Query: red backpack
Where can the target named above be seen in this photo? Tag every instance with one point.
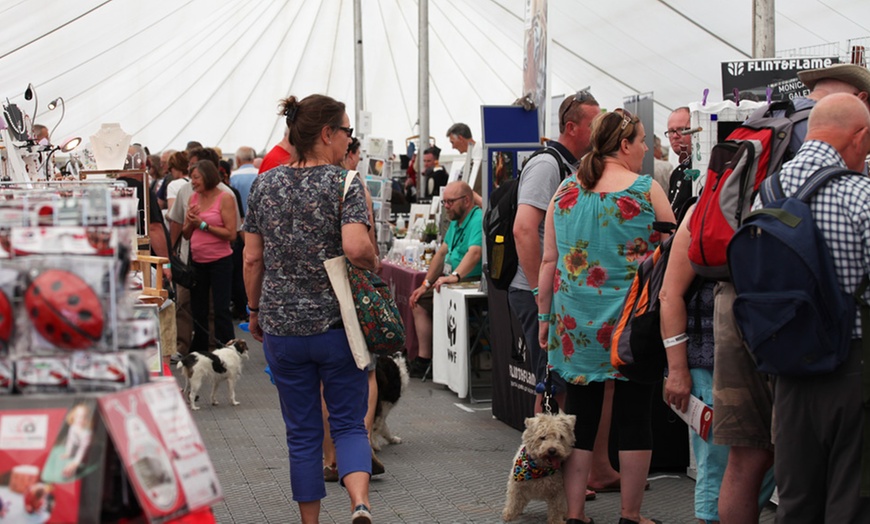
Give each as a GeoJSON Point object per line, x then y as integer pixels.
{"type": "Point", "coordinates": [736, 170]}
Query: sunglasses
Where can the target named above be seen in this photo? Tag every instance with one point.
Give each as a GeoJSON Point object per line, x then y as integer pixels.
{"type": "Point", "coordinates": [348, 130]}
{"type": "Point", "coordinates": [627, 118]}
{"type": "Point", "coordinates": [579, 97]}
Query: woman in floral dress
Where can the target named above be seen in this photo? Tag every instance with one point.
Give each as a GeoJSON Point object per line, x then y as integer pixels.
{"type": "Point", "coordinates": [599, 227]}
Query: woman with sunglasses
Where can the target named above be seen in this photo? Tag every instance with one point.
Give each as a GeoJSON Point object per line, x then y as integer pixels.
{"type": "Point", "coordinates": [598, 228]}
{"type": "Point", "coordinates": [296, 220]}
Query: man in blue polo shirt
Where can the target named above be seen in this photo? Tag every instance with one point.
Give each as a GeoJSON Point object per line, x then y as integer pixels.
{"type": "Point", "coordinates": [457, 259]}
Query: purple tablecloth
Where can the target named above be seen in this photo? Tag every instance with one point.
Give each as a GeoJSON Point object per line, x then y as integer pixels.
{"type": "Point", "coordinates": [403, 281]}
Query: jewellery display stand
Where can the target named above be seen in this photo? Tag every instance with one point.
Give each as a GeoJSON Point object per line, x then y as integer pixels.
{"type": "Point", "coordinates": [110, 145]}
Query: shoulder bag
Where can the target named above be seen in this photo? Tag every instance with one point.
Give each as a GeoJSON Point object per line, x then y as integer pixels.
{"type": "Point", "coordinates": [183, 274]}
{"type": "Point", "coordinates": [374, 314]}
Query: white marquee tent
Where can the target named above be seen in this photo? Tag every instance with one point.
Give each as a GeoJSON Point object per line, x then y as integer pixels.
{"type": "Point", "coordinates": [170, 71]}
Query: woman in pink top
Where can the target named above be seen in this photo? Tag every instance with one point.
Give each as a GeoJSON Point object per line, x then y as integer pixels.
{"type": "Point", "coordinates": [210, 224]}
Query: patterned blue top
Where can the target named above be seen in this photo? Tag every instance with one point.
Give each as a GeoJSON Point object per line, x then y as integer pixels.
{"type": "Point", "coordinates": [601, 240]}
{"type": "Point", "coordinates": [297, 213]}
{"type": "Point", "coordinates": [699, 327]}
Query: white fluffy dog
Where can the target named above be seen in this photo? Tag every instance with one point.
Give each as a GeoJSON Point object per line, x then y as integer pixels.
{"type": "Point", "coordinates": [536, 470]}
{"type": "Point", "coordinates": [224, 364]}
{"type": "Point", "coordinates": [391, 373]}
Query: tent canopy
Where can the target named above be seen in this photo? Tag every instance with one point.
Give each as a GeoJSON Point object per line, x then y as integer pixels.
{"type": "Point", "coordinates": [170, 71]}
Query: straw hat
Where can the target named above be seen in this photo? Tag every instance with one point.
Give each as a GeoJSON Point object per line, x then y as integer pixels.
{"type": "Point", "coordinates": [854, 75]}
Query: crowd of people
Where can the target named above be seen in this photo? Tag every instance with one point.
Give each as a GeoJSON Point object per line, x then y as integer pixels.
{"type": "Point", "coordinates": [258, 235]}
{"type": "Point", "coordinates": [580, 239]}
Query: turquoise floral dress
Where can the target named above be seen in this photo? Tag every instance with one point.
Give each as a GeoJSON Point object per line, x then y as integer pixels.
{"type": "Point", "coordinates": [601, 239]}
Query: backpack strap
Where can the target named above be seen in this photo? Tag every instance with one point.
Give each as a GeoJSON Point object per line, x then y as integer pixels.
{"type": "Point", "coordinates": [771, 189]}
{"type": "Point", "coordinates": [564, 169]}
{"type": "Point", "coordinates": [820, 178]}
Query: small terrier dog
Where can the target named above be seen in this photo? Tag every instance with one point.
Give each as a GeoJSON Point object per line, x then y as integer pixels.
{"type": "Point", "coordinates": [224, 364]}
{"type": "Point", "coordinates": [536, 469]}
{"type": "Point", "coordinates": [391, 373]}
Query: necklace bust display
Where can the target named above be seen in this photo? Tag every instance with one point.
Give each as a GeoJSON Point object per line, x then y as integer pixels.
{"type": "Point", "coordinates": [110, 145]}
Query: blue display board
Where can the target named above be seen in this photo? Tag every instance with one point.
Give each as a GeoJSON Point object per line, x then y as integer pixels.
{"type": "Point", "coordinates": [509, 125]}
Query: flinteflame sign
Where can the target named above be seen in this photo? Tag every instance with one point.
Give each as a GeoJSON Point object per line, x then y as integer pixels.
{"type": "Point", "coordinates": [752, 78]}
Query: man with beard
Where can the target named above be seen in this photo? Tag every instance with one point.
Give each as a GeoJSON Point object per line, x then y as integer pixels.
{"type": "Point", "coordinates": [457, 259]}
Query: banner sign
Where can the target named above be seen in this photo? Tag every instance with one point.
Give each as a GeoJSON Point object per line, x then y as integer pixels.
{"type": "Point", "coordinates": [752, 78]}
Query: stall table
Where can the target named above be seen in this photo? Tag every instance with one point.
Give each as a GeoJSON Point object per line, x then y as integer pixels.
{"type": "Point", "coordinates": [403, 281]}
{"type": "Point", "coordinates": [460, 330]}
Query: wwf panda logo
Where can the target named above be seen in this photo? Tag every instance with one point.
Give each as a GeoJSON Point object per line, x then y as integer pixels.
{"type": "Point", "coordinates": [451, 323]}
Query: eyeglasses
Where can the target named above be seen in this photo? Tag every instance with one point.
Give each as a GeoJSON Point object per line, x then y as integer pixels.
{"type": "Point", "coordinates": [348, 130]}
{"type": "Point", "coordinates": [580, 96]}
{"type": "Point", "coordinates": [675, 133]}
{"type": "Point", "coordinates": [447, 202]}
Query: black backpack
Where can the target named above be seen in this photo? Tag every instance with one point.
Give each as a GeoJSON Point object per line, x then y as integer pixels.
{"type": "Point", "coordinates": [498, 225]}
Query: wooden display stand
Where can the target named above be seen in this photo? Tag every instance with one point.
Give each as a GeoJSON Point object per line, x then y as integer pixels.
{"type": "Point", "coordinates": [104, 458]}
{"type": "Point", "coordinates": [156, 292]}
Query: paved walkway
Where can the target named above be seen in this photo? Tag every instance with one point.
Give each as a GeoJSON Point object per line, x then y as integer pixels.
{"type": "Point", "coordinates": [451, 467]}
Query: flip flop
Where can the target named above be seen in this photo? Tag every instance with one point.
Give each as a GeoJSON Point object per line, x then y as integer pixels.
{"type": "Point", "coordinates": [614, 487]}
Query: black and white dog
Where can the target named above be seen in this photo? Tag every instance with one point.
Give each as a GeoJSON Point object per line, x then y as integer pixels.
{"type": "Point", "coordinates": [391, 373]}
{"type": "Point", "coordinates": [224, 364]}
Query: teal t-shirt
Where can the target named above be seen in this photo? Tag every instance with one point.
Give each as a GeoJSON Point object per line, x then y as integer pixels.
{"type": "Point", "coordinates": [460, 238]}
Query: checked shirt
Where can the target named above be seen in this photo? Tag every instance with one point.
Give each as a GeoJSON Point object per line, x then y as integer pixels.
{"type": "Point", "coordinates": [841, 211]}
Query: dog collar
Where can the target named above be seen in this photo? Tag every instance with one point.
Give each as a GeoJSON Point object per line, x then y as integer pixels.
{"type": "Point", "coordinates": [526, 469]}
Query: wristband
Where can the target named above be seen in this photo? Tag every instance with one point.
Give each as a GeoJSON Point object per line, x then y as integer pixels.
{"type": "Point", "coordinates": [457, 275]}
{"type": "Point", "coordinates": [545, 317]}
{"type": "Point", "coordinates": [427, 283]}
{"type": "Point", "coordinates": [673, 341]}
{"type": "Point", "coordinates": [203, 225]}
{"type": "Point", "coordinates": [535, 292]}
{"type": "Point", "coordinates": [167, 265]}
{"type": "Point", "coordinates": [253, 309]}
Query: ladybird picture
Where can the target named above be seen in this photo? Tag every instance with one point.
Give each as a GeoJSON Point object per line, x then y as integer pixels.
{"type": "Point", "coordinates": [64, 309]}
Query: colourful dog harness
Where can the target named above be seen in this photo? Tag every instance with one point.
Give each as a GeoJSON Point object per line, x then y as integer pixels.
{"type": "Point", "coordinates": [526, 469]}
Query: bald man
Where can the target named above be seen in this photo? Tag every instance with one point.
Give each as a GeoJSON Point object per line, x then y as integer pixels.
{"type": "Point", "coordinates": [742, 398]}
{"type": "Point", "coordinates": [819, 420]}
{"type": "Point", "coordinates": [458, 258]}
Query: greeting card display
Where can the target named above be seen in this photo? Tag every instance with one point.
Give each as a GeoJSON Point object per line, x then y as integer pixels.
{"type": "Point", "coordinates": [51, 456]}
{"type": "Point", "coordinates": [161, 449]}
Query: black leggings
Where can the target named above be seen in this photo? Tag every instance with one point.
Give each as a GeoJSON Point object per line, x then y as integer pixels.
{"type": "Point", "coordinates": [632, 413]}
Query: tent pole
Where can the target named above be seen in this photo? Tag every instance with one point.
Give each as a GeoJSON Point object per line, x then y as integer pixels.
{"type": "Point", "coordinates": [423, 87]}
{"type": "Point", "coordinates": [358, 77]}
{"type": "Point", "coordinates": [763, 29]}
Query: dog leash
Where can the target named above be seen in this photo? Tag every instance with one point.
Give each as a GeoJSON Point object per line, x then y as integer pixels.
{"type": "Point", "coordinates": [211, 337]}
{"type": "Point", "coordinates": [549, 403]}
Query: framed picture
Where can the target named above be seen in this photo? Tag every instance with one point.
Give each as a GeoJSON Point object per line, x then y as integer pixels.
{"type": "Point", "coordinates": [419, 215]}
{"type": "Point", "coordinates": [377, 187]}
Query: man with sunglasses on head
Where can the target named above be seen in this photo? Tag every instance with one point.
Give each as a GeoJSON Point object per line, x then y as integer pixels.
{"type": "Point", "coordinates": [457, 259]}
